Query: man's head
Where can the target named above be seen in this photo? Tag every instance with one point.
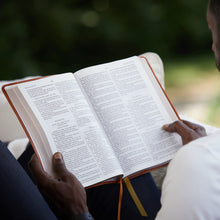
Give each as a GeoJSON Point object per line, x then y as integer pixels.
{"type": "Point", "coordinates": [213, 19]}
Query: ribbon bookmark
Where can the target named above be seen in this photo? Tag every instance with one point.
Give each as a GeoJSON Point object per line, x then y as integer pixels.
{"type": "Point", "coordinates": [120, 199]}
{"type": "Point", "coordinates": [135, 197]}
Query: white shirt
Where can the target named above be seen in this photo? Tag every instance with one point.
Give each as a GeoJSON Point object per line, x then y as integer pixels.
{"type": "Point", "coordinates": [191, 188]}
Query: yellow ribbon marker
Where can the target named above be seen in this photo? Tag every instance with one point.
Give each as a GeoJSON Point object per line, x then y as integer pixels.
{"type": "Point", "coordinates": [135, 197]}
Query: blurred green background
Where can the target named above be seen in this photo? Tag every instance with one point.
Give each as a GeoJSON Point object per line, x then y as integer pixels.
{"type": "Point", "coordinates": [42, 37]}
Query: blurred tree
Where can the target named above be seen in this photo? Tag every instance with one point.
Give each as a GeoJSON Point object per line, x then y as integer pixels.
{"type": "Point", "coordinates": [41, 37]}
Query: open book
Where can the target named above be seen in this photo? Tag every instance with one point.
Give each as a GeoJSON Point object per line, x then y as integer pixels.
{"type": "Point", "coordinates": [106, 120]}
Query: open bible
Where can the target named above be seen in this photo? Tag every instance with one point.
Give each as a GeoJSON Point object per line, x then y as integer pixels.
{"type": "Point", "coordinates": [106, 119]}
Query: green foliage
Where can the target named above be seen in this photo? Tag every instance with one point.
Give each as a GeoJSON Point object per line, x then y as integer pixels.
{"type": "Point", "coordinates": [41, 37]}
{"type": "Point", "coordinates": [186, 71]}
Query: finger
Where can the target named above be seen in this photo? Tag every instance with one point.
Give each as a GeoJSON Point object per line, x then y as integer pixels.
{"type": "Point", "coordinates": [39, 174]}
{"type": "Point", "coordinates": [178, 127]}
{"type": "Point", "coordinates": [192, 125]}
{"type": "Point", "coordinates": [196, 127]}
{"type": "Point", "coordinates": [59, 166]}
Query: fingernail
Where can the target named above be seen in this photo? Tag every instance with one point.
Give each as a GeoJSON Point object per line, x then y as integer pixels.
{"type": "Point", "coordinates": [165, 126]}
{"type": "Point", "coordinates": [58, 156]}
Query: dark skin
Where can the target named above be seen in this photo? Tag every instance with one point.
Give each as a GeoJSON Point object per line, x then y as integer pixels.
{"type": "Point", "coordinates": [213, 21]}
{"type": "Point", "coordinates": [187, 130]}
{"type": "Point", "coordinates": [64, 192]}
{"type": "Point", "coordinates": [67, 193]}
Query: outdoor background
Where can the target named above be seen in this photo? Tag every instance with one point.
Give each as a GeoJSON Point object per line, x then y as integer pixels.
{"type": "Point", "coordinates": [42, 37]}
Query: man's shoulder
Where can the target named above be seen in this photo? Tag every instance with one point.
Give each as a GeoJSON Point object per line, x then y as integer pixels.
{"type": "Point", "coordinates": [192, 181]}
{"type": "Point", "coordinates": [197, 158]}
{"type": "Point", "coordinates": [207, 144]}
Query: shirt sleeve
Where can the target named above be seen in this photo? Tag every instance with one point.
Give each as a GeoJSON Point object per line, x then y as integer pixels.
{"type": "Point", "coordinates": [191, 187]}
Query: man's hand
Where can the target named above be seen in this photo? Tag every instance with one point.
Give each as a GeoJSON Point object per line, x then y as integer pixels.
{"type": "Point", "coordinates": [187, 130]}
{"type": "Point", "coordinates": [64, 191]}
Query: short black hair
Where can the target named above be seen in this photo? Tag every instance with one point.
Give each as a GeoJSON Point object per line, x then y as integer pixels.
{"type": "Point", "coordinates": [214, 7]}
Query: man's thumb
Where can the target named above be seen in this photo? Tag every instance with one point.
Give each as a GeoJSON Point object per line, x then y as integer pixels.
{"type": "Point", "coordinates": [59, 165]}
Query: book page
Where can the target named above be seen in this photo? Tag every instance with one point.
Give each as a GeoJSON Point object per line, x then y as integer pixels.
{"type": "Point", "coordinates": [71, 127]}
{"type": "Point", "coordinates": [131, 112]}
{"type": "Point", "coordinates": [32, 125]}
